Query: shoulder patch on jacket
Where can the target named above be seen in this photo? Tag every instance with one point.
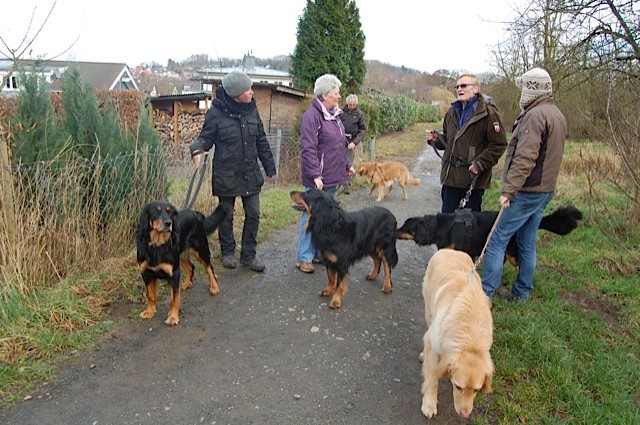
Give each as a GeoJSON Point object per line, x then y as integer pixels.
{"type": "Point", "coordinates": [496, 126]}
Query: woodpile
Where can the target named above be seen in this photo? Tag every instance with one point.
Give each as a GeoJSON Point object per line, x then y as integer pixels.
{"type": "Point", "coordinates": [189, 126]}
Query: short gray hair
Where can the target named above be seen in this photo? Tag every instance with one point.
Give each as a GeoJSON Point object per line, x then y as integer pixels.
{"type": "Point", "coordinates": [352, 98]}
{"type": "Point", "coordinates": [324, 84]}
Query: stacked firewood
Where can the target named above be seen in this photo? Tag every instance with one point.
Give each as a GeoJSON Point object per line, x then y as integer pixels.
{"type": "Point", "coordinates": [189, 126]}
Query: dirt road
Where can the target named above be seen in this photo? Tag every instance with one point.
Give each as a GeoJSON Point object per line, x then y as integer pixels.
{"type": "Point", "coordinates": [267, 350]}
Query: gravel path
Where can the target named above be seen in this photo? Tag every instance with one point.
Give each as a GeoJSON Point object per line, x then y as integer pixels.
{"type": "Point", "coordinates": [267, 350]}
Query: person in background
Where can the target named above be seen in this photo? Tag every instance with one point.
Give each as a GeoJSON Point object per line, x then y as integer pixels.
{"type": "Point", "coordinates": [355, 128]}
{"type": "Point", "coordinates": [324, 164]}
{"type": "Point", "coordinates": [473, 139]}
{"type": "Point", "coordinates": [234, 126]}
{"type": "Point", "coordinates": [534, 156]}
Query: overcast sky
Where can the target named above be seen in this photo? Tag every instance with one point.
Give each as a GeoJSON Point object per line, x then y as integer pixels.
{"type": "Point", "coordinates": [422, 35]}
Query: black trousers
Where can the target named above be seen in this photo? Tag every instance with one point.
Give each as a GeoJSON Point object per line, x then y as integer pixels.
{"type": "Point", "coordinates": [251, 205]}
{"type": "Point", "coordinates": [451, 197]}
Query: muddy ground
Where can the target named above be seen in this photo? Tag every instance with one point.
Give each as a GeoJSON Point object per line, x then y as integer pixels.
{"type": "Point", "coordinates": [267, 350]}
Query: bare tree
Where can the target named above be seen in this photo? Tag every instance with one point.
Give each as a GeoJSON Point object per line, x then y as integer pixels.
{"type": "Point", "coordinates": [25, 46]}
{"type": "Point", "coordinates": [592, 50]}
{"type": "Point", "coordinates": [14, 54]}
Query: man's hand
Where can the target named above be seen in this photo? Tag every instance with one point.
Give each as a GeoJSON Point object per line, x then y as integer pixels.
{"type": "Point", "coordinates": [351, 146]}
{"type": "Point", "coordinates": [319, 183]}
{"type": "Point", "coordinates": [198, 157]}
{"type": "Point", "coordinates": [504, 201]}
{"type": "Point", "coordinates": [351, 172]}
{"type": "Point", "coordinates": [432, 135]}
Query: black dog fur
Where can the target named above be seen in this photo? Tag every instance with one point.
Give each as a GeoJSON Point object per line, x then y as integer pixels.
{"type": "Point", "coordinates": [467, 230]}
{"type": "Point", "coordinates": [344, 237]}
{"type": "Point", "coordinates": [165, 240]}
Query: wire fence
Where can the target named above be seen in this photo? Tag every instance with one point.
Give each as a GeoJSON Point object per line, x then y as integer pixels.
{"type": "Point", "coordinates": [58, 217]}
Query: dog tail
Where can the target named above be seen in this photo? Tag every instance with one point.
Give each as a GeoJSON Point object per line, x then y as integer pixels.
{"type": "Point", "coordinates": [414, 181]}
{"type": "Point", "coordinates": [215, 219]}
{"type": "Point", "coordinates": [562, 221]}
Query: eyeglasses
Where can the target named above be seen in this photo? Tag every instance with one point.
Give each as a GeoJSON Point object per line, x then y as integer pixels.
{"type": "Point", "coordinates": [462, 86]}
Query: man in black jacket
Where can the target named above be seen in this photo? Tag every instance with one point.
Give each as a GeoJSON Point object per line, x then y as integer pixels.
{"type": "Point", "coordinates": [234, 126]}
{"type": "Point", "coordinates": [354, 127]}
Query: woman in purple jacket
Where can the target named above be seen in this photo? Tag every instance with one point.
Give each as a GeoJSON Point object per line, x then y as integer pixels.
{"type": "Point", "coordinates": [324, 161]}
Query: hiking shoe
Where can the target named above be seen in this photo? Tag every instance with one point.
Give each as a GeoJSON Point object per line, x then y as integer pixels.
{"type": "Point", "coordinates": [253, 264]}
{"type": "Point", "coordinates": [305, 267]}
{"type": "Point", "coordinates": [506, 294]}
{"type": "Point", "coordinates": [229, 261]}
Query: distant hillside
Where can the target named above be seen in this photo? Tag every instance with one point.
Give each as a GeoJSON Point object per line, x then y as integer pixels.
{"type": "Point", "coordinates": [381, 77]}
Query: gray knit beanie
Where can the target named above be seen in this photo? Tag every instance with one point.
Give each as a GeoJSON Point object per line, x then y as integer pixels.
{"type": "Point", "coordinates": [534, 83]}
{"type": "Point", "coordinates": [235, 83]}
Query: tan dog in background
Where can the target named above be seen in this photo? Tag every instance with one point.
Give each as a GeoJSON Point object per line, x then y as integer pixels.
{"type": "Point", "coordinates": [460, 332]}
{"type": "Point", "coordinates": [383, 174]}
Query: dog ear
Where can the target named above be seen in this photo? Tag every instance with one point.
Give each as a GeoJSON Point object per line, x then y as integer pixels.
{"type": "Point", "coordinates": [143, 222]}
{"type": "Point", "coordinates": [424, 230]}
{"type": "Point", "coordinates": [444, 367]}
{"type": "Point", "coordinates": [486, 386]}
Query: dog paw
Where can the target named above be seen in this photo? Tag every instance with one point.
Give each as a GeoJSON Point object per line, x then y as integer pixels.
{"type": "Point", "coordinates": [429, 409]}
{"type": "Point", "coordinates": [326, 292]}
{"type": "Point", "coordinates": [387, 289]}
{"type": "Point", "coordinates": [172, 321]}
{"type": "Point", "coordinates": [335, 303]}
{"type": "Point", "coordinates": [421, 357]}
{"type": "Point", "coordinates": [214, 290]}
{"type": "Point", "coordinates": [147, 314]}
{"type": "Point", "coordinates": [186, 285]}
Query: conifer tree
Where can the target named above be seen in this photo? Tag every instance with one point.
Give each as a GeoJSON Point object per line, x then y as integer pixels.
{"type": "Point", "coordinates": [329, 40]}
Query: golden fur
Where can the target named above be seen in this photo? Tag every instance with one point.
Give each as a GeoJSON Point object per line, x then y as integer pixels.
{"type": "Point", "coordinates": [460, 332]}
{"type": "Point", "coordinates": [382, 175]}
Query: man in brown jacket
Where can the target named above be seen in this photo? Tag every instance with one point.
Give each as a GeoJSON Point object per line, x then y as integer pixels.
{"type": "Point", "coordinates": [473, 140]}
{"type": "Point", "coordinates": [531, 170]}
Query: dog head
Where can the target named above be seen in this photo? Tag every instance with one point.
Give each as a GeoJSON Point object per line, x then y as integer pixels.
{"type": "Point", "coordinates": [422, 230]}
{"type": "Point", "coordinates": [367, 169]}
{"type": "Point", "coordinates": [157, 221]}
{"type": "Point", "coordinates": [469, 372]}
{"type": "Point", "coordinates": [310, 200]}
{"type": "Point", "coordinates": [323, 210]}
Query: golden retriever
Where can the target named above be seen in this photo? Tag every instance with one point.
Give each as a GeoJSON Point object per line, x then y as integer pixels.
{"type": "Point", "coordinates": [460, 332]}
{"type": "Point", "coordinates": [382, 175]}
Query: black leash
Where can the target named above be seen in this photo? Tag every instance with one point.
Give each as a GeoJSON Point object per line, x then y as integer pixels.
{"type": "Point", "coordinates": [189, 201]}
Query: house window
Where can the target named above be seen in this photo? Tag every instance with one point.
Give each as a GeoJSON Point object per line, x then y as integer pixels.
{"type": "Point", "coordinates": [12, 82]}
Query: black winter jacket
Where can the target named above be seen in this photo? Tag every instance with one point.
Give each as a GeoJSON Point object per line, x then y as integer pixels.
{"type": "Point", "coordinates": [237, 132]}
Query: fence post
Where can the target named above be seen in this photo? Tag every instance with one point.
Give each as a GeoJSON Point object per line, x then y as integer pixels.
{"type": "Point", "coordinates": [277, 151]}
{"type": "Point", "coordinates": [372, 150]}
{"type": "Point", "coordinates": [7, 202]}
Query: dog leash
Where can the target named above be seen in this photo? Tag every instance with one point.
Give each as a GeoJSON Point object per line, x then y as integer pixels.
{"type": "Point", "coordinates": [467, 195]}
{"type": "Point", "coordinates": [189, 201]}
{"type": "Point", "coordinates": [459, 162]}
{"type": "Point", "coordinates": [495, 224]}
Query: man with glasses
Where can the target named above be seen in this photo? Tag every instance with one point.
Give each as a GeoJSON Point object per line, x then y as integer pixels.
{"type": "Point", "coordinates": [473, 140]}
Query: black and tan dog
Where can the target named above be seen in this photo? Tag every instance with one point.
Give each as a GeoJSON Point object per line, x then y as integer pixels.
{"type": "Point", "coordinates": [345, 237]}
{"type": "Point", "coordinates": [466, 230]}
{"type": "Point", "coordinates": [165, 240]}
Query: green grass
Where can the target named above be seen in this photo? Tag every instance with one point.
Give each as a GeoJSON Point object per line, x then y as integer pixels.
{"type": "Point", "coordinates": [568, 356]}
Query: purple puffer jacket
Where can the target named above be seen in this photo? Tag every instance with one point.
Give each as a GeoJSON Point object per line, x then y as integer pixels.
{"type": "Point", "coordinates": [323, 147]}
